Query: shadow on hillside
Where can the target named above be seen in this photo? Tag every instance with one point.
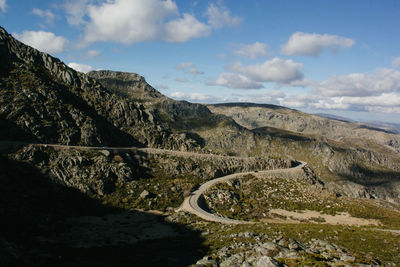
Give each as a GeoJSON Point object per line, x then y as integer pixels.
{"type": "Point", "coordinates": [375, 129]}
{"type": "Point", "coordinates": [10, 131]}
{"type": "Point", "coordinates": [66, 101]}
{"type": "Point", "coordinates": [111, 135]}
{"type": "Point", "coordinates": [244, 104]}
{"type": "Point", "coordinates": [367, 177]}
{"type": "Point", "coordinates": [47, 224]}
{"type": "Point", "coordinates": [279, 133]}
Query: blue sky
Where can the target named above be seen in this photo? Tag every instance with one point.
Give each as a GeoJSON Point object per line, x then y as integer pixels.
{"type": "Point", "coordinates": [337, 57]}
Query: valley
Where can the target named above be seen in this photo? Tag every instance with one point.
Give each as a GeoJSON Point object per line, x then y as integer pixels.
{"type": "Point", "coordinates": [101, 169]}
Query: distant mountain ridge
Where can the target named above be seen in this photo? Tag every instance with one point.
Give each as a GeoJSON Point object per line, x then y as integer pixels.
{"type": "Point", "coordinates": [391, 128]}
{"type": "Point", "coordinates": [258, 115]}
{"type": "Point", "coordinates": [334, 117]}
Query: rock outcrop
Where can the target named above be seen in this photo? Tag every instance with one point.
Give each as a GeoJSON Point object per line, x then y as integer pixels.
{"type": "Point", "coordinates": [44, 100]}
{"type": "Point", "coordinates": [279, 252]}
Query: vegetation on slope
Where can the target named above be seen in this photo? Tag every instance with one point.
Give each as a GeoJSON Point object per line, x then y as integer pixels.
{"type": "Point", "coordinates": [251, 198]}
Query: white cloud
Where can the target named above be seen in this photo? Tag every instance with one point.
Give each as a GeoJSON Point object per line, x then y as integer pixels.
{"type": "Point", "coordinates": [361, 84]}
{"type": "Point", "coordinates": [43, 41]}
{"type": "Point", "coordinates": [161, 86]}
{"type": "Point", "coordinates": [184, 65]}
{"type": "Point", "coordinates": [92, 53]}
{"type": "Point", "coordinates": [299, 83]}
{"type": "Point", "coordinates": [384, 103]}
{"type": "Point", "coordinates": [192, 96]}
{"type": "Point", "coordinates": [376, 92]}
{"type": "Point", "coordinates": [188, 67]}
{"type": "Point", "coordinates": [270, 97]}
{"type": "Point", "coordinates": [312, 44]}
{"type": "Point", "coordinates": [46, 14]}
{"type": "Point", "coordinates": [235, 81]}
{"type": "Point", "coordinates": [195, 71]}
{"type": "Point", "coordinates": [275, 70]}
{"type": "Point", "coordinates": [80, 67]}
{"type": "Point", "coordinates": [396, 62]}
{"type": "Point", "coordinates": [297, 100]}
{"type": "Point", "coordinates": [182, 80]}
{"type": "Point", "coordinates": [178, 94]}
{"type": "Point", "coordinates": [186, 28]}
{"type": "Point", "coordinates": [76, 10]}
{"type": "Point", "coordinates": [3, 5]}
{"type": "Point", "coordinates": [220, 16]}
{"type": "Point", "coordinates": [221, 56]}
{"type": "Point", "coordinates": [127, 22]}
{"type": "Point", "coordinates": [252, 50]}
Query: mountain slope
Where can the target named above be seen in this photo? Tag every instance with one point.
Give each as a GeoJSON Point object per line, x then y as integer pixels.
{"type": "Point", "coordinates": [45, 101]}
{"type": "Point", "coordinates": [83, 206]}
{"type": "Point", "coordinates": [258, 115]}
{"type": "Point", "coordinates": [214, 132]}
{"type": "Point", "coordinates": [42, 100]}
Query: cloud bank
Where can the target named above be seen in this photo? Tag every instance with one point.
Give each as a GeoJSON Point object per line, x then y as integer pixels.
{"type": "Point", "coordinates": [312, 44]}
{"type": "Point", "coordinates": [127, 21]}
{"type": "Point", "coordinates": [284, 71]}
{"type": "Point", "coordinates": [189, 67]}
{"type": "Point", "coordinates": [361, 84]}
{"type": "Point", "coordinates": [220, 16]}
{"type": "Point", "coordinates": [200, 97]}
{"type": "Point", "coordinates": [235, 81]}
{"type": "Point", "coordinates": [3, 5]}
{"type": "Point", "coordinates": [44, 41]}
{"type": "Point", "coordinates": [47, 15]}
{"type": "Point", "coordinates": [252, 51]}
{"type": "Point", "coordinates": [80, 67]}
{"type": "Point", "coordinates": [396, 63]}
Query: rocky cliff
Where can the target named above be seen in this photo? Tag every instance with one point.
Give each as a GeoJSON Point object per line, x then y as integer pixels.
{"type": "Point", "coordinates": [214, 132]}
{"type": "Point", "coordinates": [45, 101]}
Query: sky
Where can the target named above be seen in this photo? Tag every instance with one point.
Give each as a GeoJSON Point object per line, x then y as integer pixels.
{"type": "Point", "coordinates": [337, 57]}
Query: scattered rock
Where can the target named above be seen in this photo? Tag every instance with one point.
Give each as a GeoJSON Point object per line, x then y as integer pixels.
{"type": "Point", "coordinates": [266, 261]}
{"type": "Point", "coordinates": [207, 262]}
{"type": "Point", "coordinates": [347, 258]}
{"type": "Point", "coordinates": [145, 194]}
{"type": "Point", "coordinates": [105, 152]}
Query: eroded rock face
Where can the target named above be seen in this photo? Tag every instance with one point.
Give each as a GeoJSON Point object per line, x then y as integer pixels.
{"type": "Point", "coordinates": [51, 103]}
{"type": "Point", "coordinates": [93, 172]}
{"type": "Point", "coordinates": [98, 172]}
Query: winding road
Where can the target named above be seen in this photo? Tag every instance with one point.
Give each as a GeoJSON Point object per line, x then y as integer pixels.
{"type": "Point", "coordinates": [192, 203]}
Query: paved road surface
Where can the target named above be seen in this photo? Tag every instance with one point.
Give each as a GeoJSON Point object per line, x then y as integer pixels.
{"type": "Point", "coordinates": [192, 203]}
